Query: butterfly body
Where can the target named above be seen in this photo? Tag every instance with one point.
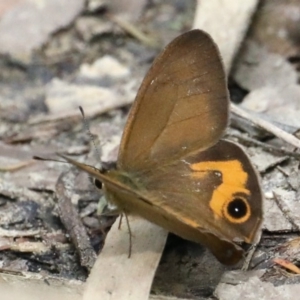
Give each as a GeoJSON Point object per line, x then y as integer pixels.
{"type": "Point", "coordinates": [173, 169]}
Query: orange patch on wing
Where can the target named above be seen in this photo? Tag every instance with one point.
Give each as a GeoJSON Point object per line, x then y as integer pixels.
{"type": "Point", "coordinates": [234, 180]}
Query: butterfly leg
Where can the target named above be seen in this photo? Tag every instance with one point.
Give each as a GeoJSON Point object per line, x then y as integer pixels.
{"type": "Point", "coordinates": [130, 235]}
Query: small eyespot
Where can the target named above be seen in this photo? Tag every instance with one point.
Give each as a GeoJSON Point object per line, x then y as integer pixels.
{"type": "Point", "coordinates": [237, 210]}
{"type": "Point", "coordinates": [98, 184]}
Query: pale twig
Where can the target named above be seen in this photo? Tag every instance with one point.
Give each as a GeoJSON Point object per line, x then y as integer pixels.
{"type": "Point", "coordinates": [213, 16]}
{"type": "Point", "coordinates": [248, 141]}
{"type": "Point", "coordinates": [285, 211]}
{"type": "Point", "coordinates": [250, 253]}
{"type": "Point", "coordinates": [134, 31]}
{"type": "Point", "coordinates": [289, 138]}
{"type": "Point", "coordinates": [16, 166]}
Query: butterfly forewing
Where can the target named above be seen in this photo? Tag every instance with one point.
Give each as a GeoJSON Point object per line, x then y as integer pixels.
{"type": "Point", "coordinates": [182, 104]}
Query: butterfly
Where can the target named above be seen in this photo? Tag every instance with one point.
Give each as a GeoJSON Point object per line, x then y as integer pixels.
{"type": "Point", "coordinates": [173, 168]}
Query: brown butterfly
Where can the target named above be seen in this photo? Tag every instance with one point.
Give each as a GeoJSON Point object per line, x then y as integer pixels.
{"type": "Point", "coordinates": [172, 168]}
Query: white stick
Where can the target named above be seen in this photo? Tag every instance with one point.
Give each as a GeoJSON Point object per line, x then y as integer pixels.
{"type": "Point", "coordinates": [227, 21]}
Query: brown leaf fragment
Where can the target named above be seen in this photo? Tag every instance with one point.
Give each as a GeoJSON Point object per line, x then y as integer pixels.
{"type": "Point", "coordinates": [287, 264]}
{"type": "Point", "coordinates": [290, 250]}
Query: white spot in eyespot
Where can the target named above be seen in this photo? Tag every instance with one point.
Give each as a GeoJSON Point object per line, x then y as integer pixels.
{"type": "Point", "coordinates": [217, 173]}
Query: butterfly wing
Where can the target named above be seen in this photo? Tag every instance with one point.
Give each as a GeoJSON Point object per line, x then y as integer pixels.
{"type": "Point", "coordinates": [206, 184]}
{"type": "Point", "coordinates": [212, 197]}
{"type": "Point", "coordinates": [181, 106]}
{"type": "Point", "coordinates": [192, 198]}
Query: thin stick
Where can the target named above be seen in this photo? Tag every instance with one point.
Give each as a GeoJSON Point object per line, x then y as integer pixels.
{"type": "Point", "coordinates": [250, 254]}
{"type": "Point", "coordinates": [134, 31]}
{"type": "Point", "coordinates": [267, 147]}
{"type": "Point", "coordinates": [17, 166]}
{"type": "Point", "coordinates": [72, 221]}
{"type": "Point", "coordinates": [285, 212]}
{"type": "Point", "coordinates": [120, 222]}
{"type": "Point", "coordinates": [49, 159]}
{"type": "Point", "coordinates": [289, 138]}
{"type": "Point", "coordinates": [130, 236]}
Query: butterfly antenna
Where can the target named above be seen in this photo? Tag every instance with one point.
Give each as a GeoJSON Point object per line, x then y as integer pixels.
{"type": "Point", "coordinates": [87, 128]}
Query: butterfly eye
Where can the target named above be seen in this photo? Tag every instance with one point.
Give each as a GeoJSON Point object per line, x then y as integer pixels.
{"type": "Point", "coordinates": [237, 210]}
{"type": "Point", "coordinates": [98, 184]}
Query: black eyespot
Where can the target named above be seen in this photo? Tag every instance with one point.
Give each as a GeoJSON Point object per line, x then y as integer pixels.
{"type": "Point", "coordinates": [98, 184]}
{"type": "Point", "coordinates": [237, 208]}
